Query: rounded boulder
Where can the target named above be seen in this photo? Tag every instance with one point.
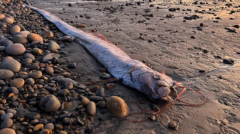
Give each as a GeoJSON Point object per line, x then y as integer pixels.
{"type": "Point", "coordinates": [34, 37]}
{"type": "Point", "coordinates": [15, 29]}
{"type": "Point", "coordinates": [117, 106]}
{"type": "Point", "coordinates": [49, 103]}
{"type": "Point", "coordinates": [6, 74]}
{"type": "Point", "coordinates": [15, 49]}
{"type": "Point", "coordinates": [10, 64]}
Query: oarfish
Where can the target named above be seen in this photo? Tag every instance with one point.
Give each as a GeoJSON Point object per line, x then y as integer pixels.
{"type": "Point", "coordinates": [133, 73]}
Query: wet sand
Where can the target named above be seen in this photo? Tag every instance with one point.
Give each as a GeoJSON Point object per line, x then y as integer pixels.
{"type": "Point", "coordinates": [181, 47]}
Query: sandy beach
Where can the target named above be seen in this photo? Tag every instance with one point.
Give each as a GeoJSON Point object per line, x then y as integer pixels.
{"type": "Point", "coordinates": [194, 42]}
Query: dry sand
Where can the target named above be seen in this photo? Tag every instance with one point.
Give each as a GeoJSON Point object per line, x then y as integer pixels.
{"type": "Point", "coordinates": [166, 44]}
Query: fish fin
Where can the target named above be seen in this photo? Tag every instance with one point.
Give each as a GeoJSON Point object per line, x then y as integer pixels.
{"type": "Point", "coordinates": [163, 72]}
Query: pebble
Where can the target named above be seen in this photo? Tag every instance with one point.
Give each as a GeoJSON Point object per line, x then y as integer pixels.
{"type": "Point", "coordinates": [95, 88]}
{"type": "Point", "coordinates": [49, 126]}
{"type": "Point", "coordinates": [47, 57]}
{"type": "Point", "coordinates": [63, 92]}
{"type": "Point", "coordinates": [37, 51]}
{"type": "Point", "coordinates": [105, 75]}
{"type": "Point", "coordinates": [52, 46]}
{"type": "Point", "coordinates": [72, 65]}
{"type": "Point", "coordinates": [30, 81]}
{"type": "Point", "coordinates": [49, 103]}
{"type": "Point", "coordinates": [110, 85]}
{"type": "Point", "coordinates": [81, 25]}
{"type": "Point", "coordinates": [32, 116]}
{"type": "Point", "coordinates": [12, 90]}
{"type": "Point", "coordinates": [62, 132]}
{"type": "Point", "coordinates": [58, 126]}
{"type": "Point", "coordinates": [172, 125]}
{"type": "Point", "coordinates": [67, 121]}
{"type": "Point", "coordinates": [34, 37]}
{"type": "Point", "coordinates": [37, 127]}
{"type": "Point", "coordinates": [15, 49]}
{"type": "Point", "coordinates": [6, 116]}
{"type": "Point", "coordinates": [49, 70]}
{"type": "Point", "coordinates": [28, 55]}
{"type": "Point", "coordinates": [11, 111]}
{"type": "Point", "coordinates": [10, 64]}
{"type": "Point", "coordinates": [101, 104]}
{"type": "Point", "coordinates": [7, 42]}
{"type": "Point", "coordinates": [19, 82]}
{"type": "Point", "coordinates": [48, 34]}
{"type": "Point", "coordinates": [36, 74]}
{"type": "Point", "coordinates": [101, 92]}
{"type": "Point", "coordinates": [117, 106]}
{"type": "Point", "coordinates": [14, 29]}
{"type": "Point", "coordinates": [45, 131]}
{"type": "Point", "coordinates": [2, 16]}
{"type": "Point", "coordinates": [6, 74]}
{"type": "Point", "coordinates": [7, 123]}
{"type": "Point", "coordinates": [7, 131]}
{"type": "Point", "coordinates": [27, 61]}
{"type": "Point", "coordinates": [8, 20]}
{"type": "Point", "coordinates": [84, 101]}
{"type": "Point", "coordinates": [95, 98]}
{"type": "Point", "coordinates": [91, 108]}
{"type": "Point", "coordinates": [23, 33]}
{"type": "Point", "coordinates": [20, 39]}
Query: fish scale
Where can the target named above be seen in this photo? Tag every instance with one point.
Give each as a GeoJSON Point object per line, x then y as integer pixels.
{"type": "Point", "coordinates": [133, 73]}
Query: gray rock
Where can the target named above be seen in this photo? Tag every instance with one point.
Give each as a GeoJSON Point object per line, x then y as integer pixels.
{"type": "Point", "coordinates": [12, 90]}
{"type": "Point", "coordinates": [49, 103]}
{"type": "Point", "coordinates": [20, 39]}
{"type": "Point", "coordinates": [101, 104]}
{"type": "Point", "coordinates": [36, 74]}
{"type": "Point", "coordinates": [49, 70]}
{"type": "Point", "coordinates": [95, 98]}
{"type": "Point", "coordinates": [101, 92]}
{"type": "Point", "coordinates": [72, 65]}
{"type": "Point", "coordinates": [32, 116]}
{"type": "Point", "coordinates": [2, 48]}
{"type": "Point", "coordinates": [28, 55]}
{"type": "Point", "coordinates": [30, 81]}
{"type": "Point", "coordinates": [49, 126]}
{"type": "Point", "coordinates": [7, 42]}
{"type": "Point", "coordinates": [10, 64]}
{"type": "Point", "coordinates": [14, 29]}
{"type": "Point", "coordinates": [11, 111]}
{"type": "Point", "coordinates": [15, 49]}
{"type": "Point", "coordinates": [47, 57]}
{"type": "Point", "coordinates": [52, 46]}
{"type": "Point", "coordinates": [2, 38]}
{"type": "Point", "coordinates": [7, 123]}
{"type": "Point", "coordinates": [66, 81]}
{"type": "Point", "coordinates": [23, 33]}
{"type": "Point", "coordinates": [67, 121]}
{"type": "Point", "coordinates": [27, 61]}
{"type": "Point", "coordinates": [63, 92]}
{"type": "Point", "coordinates": [2, 83]}
{"type": "Point", "coordinates": [6, 116]}
{"type": "Point", "coordinates": [6, 74]}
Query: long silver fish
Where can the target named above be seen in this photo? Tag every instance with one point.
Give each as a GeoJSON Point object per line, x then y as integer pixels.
{"type": "Point", "coordinates": [157, 86]}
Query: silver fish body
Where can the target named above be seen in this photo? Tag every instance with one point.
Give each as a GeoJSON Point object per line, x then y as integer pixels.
{"type": "Point", "coordinates": [133, 73]}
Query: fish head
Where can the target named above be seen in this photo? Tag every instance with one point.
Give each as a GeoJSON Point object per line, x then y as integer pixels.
{"type": "Point", "coordinates": [160, 84]}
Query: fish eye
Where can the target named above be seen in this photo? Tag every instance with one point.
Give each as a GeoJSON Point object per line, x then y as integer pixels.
{"type": "Point", "coordinates": [156, 77]}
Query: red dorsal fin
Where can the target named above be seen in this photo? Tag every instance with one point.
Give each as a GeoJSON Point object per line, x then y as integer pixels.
{"type": "Point", "coordinates": [102, 37]}
{"type": "Point", "coordinates": [162, 72]}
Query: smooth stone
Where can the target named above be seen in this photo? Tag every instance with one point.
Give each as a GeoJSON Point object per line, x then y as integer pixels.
{"type": "Point", "coordinates": [28, 55]}
{"type": "Point", "coordinates": [7, 123]}
{"type": "Point", "coordinates": [2, 83]}
{"type": "Point", "coordinates": [34, 37]}
{"type": "Point", "coordinates": [72, 65]}
{"type": "Point", "coordinates": [81, 25]}
{"type": "Point", "coordinates": [91, 108]}
{"type": "Point", "coordinates": [2, 48]}
{"type": "Point", "coordinates": [8, 20]}
{"type": "Point", "coordinates": [2, 16]}
{"type": "Point", "coordinates": [43, 121]}
{"type": "Point", "coordinates": [62, 132]}
{"type": "Point", "coordinates": [53, 46]}
{"type": "Point", "coordinates": [2, 38]}
{"type": "Point", "coordinates": [20, 39]}
{"type": "Point", "coordinates": [117, 106]}
{"type": "Point", "coordinates": [48, 34]}
{"type": "Point", "coordinates": [37, 51]}
{"type": "Point", "coordinates": [49, 103]}
{"type": "Point", "coordinates": [13, 111]}
{"type": "Point", "coordinates": [7, 42]}
{"type": "Point", "coordinates": [6, 116]}
{"type": "Point", "coordinates": [84, 101]}
{"type": "Point", "coordinates": [101, 104]}
{"type": "Point", "coordinates": [67, 121]}
{"type": "Point", "coordinates": [63, 92]}
{"type": "Point", "coordinates": [95, 98]}
{"type": "Point", "coordinates": [6, 74]}
{"type": "Point", "coordinates": [47, 57]}
{"type": "Point", "coordinates": [34, 122]}
{"type": "Point", "coordinates": [66, 81]}
{"type": "Point", "coordinates": [27, 61]}
{"type": "Point", "coordinates": [15, 49]}
{"type": "Point", "coordinates": [14, 104]}
{"type": "Point", "coordinates": [172, 125]}
{"type": "Point", "coordinates": [14, 29]}
{"type": "Point", "coordinates": [19, 82]}
{"type": "Point", "coordinates": [36, 74]}
{"type": "Point", "coordinates": [37, 127]}
{"type": "Point", "coordinates": [49, 126]}
{"type": "Point", "coordinates": [23, 33]}
{"type": "Point", "coordinates": [32, 116]}
{"type": "Point", "coordinates": [30, 81]}
{"type": "Point", "coordinates": [7, 131]}
{"type": "Point", "coordinates": [3, 25]}
{"type": "Point", "coordinates": [45, 131]}
{"type": "Point", "coordinates": [101, 92]}
{"type": "Point", "coordinates": [105, 75]}
{"type": "Point", "coordinates": [12, 90]}
{"type": "Point", "coordinates": [10, 64]}
{"type": "Point", "coordinates": [49, 70]}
